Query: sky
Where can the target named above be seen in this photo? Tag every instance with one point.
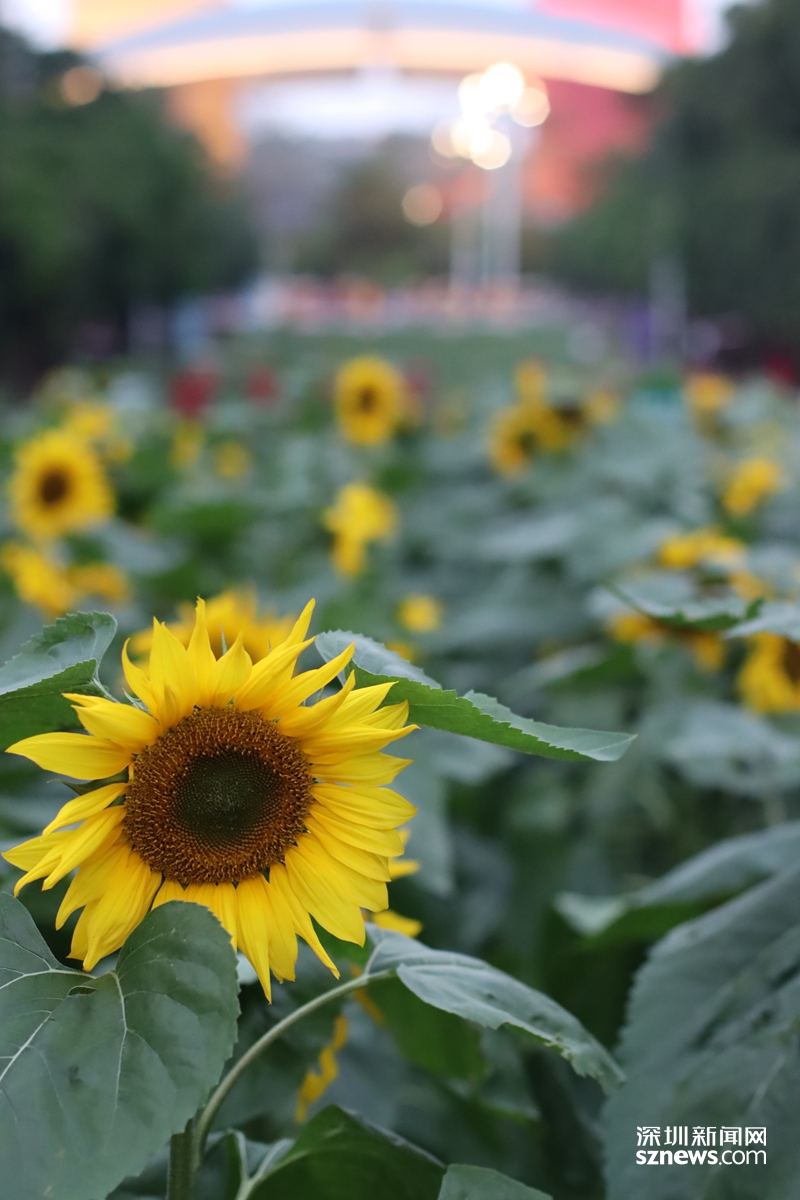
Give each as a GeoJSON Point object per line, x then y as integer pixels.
{"type": "Point", "coordinates": [45, 21]}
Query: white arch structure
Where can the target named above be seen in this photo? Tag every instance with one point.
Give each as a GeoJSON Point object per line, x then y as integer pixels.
{"type": "Point", "coordinates": [257, 39]}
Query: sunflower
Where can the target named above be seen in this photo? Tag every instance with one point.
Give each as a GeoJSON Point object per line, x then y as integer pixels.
{"type": "Point", "coordinates": [97, 423]}
{"type": "Point", "coordinates": [369, 396]}
{"type": "Point", "coordinates": [359, 515]}
{"type": "Point", "coordinates": [37, 579]}
{"type": "Point", "coordinates": [187, 445]}
{"type": "Point", "coordinates": [419, 613]}
{"type": "Point", "coordinates": [708, 393]}
{"type": "Point", "coordinates": [227, 615]}
{"type": "Point", "coordinates": [519, 432]}
{"type": "Point", "coordinates": [754, 480]}
{"type": "Point", "coordinates": [58, 486]}
{"type": "Point", "coordinates": [232, 460]}
{"type": "Point", "coordinates": [220, 786]}
{"type": "Point", "coordinates": [707, 649]}
{"type": "Point", "coordinates": [769, 681]}
{"type": "Point", "coordinates": [706, 546]}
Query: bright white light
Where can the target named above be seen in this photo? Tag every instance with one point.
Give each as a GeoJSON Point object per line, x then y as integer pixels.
{"type": "Point", "coordinates": [422, 204]}
{"type": "Point", "coordinates": [442, 139]}
{"type": "Point", "coordinates": [471, 96]}
{"type": "Point", "coordinates": [532, 108]}
{"type": "Point", "coordinates": [464, 133]}
{"type": "Point", "coordinates": [490, 149]}
{"type": "Point", "coordinates": [501, 87]}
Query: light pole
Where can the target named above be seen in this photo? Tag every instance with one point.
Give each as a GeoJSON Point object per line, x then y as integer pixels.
{"type": "Point", "coordinates": [496, 108]}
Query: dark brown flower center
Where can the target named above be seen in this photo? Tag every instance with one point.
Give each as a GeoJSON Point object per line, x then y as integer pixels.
{"type": "Point", "coordinates": [527, 441]}
{"type": "Point", "coordinates": [791, 660]}
{"type": "Point", "coordinates": [53, 486]}
{"type": "Point", "coordinates": [220, 796]}
{"type": "Point", "coordinates": [367, 399]}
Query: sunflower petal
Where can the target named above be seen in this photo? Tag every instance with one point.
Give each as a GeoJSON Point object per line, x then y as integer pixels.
{"type": "Point", "coordinates": [201, 656]}
{"type": "Point", "coordinates": [73, 754]}
{"type": "Point", "coordinates": [315, 882]}
{"type": "Point", "coordinates": [299, 689]}
{"type": "Point", "coordinates": [379, 807]}
{"type": "Point", "coordinates": [385, 842]}
{"type": "Point", "coordinates": [279, 879]}
{"type": "Point", "coordinates": [363, 862]}
{"type": "Point", "coordinates": [91, 881]}
{"type": "Point", "coordinates": [137, 680]}
{"type": "Point", "coordinates": [267, 674]}
{"type": "Point", "coordinates": [87, 805]}
{"type": "Point", "coordinates": [120, 909]}
{"type": "Point", "coordinates": [171, 671]}
{"type": "Point", "coordinates": [232, 671]}
{"type": "Point", "coordinates": [254, 933]}
{"type": "Point", "coordinates": [84, 841]}
{"type": "Point", "coordinates": [123, 724]}
{"type": "Point", "coordinates": [219, 898]}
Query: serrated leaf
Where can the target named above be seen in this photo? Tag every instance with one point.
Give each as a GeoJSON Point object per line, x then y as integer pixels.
{"type": "Point", "coordinates": [480, 1183]}
{"type": "Point", "coordinates": [340, 1156]}
{"type": "Point", "coordinates": [478, 992]}
{"type": "Point", "coordinates": [473, 715]}
{"type": "Point", "coordinates": [64, 657]}
{"type": "Point", "coordinates": [99, 1071]}
{"type": "Point", "coordinates": [715, 875]}
{"type": "Point", "coordinates": [781, 618]}
{"type": "Point", "coordinates": [428, 1037]}
{"type": "Point", "coordinates": [712, 615]}
{"type": "Point", "coordinates": [75, 639]}
{"type": "Point", "coordinates": [711, 1041]}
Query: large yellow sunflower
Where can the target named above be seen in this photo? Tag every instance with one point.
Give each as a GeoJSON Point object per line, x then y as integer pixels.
{"type": "Point", "coordinates": [369, 400]}
{"type": "Point", "coordinates": [231, 613]}
{"type": "Point", "coordinates": [58, 486]}
{"type": "Point", "coordinates": [221, 787]}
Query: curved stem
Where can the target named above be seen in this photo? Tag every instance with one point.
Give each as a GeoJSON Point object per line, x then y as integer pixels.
{"type": "Point", "coordinates": [181, 1168]}
{"type": "Point", "coordinates": [206, 1118]}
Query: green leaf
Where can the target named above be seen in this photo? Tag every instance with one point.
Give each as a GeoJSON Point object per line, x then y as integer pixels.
{"type": "Point", "coordinates": [339, 1156]}
{"type": "Point", "coordinates": [479, 1183]}
{"type": "Point", "coordinates": [781, 618]}
{"type": "Point", "coordinates": [712, 615]}
{"type": "Point", "coordinates": [714, 875]}
{"type": "Point", "coordinates": [428, 1037]}
{"type": "Point", "coordinates": [99, 1071]}
{"type": "Point", "coordinates": [478, 992]}
{"type": "Point", "coordinates": [711, 1040]}
{"type": "Point", "coordinates": [64, 657]}
{"type": "Point", "coordinates": [473, 715]}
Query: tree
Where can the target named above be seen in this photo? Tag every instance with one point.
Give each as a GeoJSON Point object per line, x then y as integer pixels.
{"type": "Point", "coordinates": [102, 206]}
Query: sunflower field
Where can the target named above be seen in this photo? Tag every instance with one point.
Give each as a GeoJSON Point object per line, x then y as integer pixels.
{"type": "Point", "coordinates": [425, 713]}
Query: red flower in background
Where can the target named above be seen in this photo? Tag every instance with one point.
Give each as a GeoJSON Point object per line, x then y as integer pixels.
{"type": "Point", "coordinates": [192, 390]}
{"type": "Point", "coordinates": [262, 386]}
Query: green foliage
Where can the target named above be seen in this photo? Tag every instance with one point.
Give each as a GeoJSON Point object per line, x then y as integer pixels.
{"type": "Point", "coordinates": [342, 1157]}
{"type": "Point", "coordinates": [473, 715]}
{"type": "Point", "coordinates": [476, 1183]}
{"type": "Point", "coordinates": [104, 206]}
{"type": "Point", "coordinates": [717, 186]}
{"type": "Point", "coordinates": [99, 1070]}
{"type": "Point", "coordinates": [710, 1041]}
{"type": "Point", "coordinates": [480, 993]}
{"type": "Point", "coordinates": [64, 657]}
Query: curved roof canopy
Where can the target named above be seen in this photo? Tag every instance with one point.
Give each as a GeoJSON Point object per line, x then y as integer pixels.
{"type": "Point", "coordinates": [261, 38]}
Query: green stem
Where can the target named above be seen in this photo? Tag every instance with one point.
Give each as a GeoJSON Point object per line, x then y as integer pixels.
{"type": "Point", "coordinates": [206, 1118]}
{"type": "Point", "coordinates": [181, 1167]}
